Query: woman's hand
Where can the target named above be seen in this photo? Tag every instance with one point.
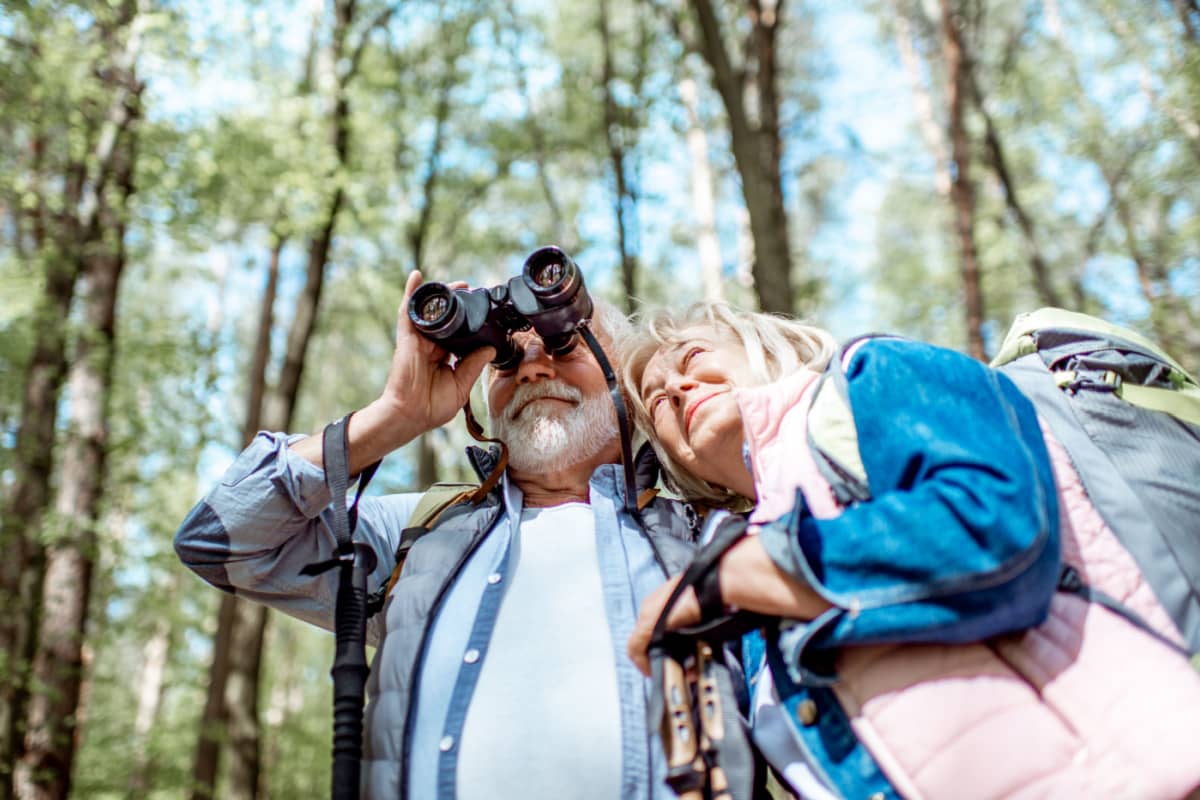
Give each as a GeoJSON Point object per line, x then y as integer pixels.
{"type": "Point", "coordinates": [686, 611]}
{"type": "Point", "coordinates": [750, 581]}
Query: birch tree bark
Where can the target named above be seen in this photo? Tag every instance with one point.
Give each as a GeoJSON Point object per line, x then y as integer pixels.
{"type": "Point", "coordinates": [44, 769]}
{"type": "Point", "coordinates": [64, 242]}
{"type": "Point", "coordinates": [708, 246]}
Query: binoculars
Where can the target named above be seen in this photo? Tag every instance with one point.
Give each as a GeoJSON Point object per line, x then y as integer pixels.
{"type": "Point", "coordinates": [548, 296]}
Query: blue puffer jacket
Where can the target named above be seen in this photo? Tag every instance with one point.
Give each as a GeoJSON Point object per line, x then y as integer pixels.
{"type": "Point", "coordinates": [958, 542]}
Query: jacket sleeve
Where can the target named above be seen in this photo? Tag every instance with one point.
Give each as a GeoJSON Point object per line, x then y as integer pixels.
{"type": "Point", "coordinates": [266, 519]}
{"type": "Point", "coordinates": [959, 540]}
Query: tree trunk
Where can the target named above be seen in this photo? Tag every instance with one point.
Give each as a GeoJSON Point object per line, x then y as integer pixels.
{"type": "Point", "coordinates": [241, 699]}
{"type": "Point", "coordinates": [246, 623]}
{"type": "Point", "coordinates": [23, 563]}
{"type": "Point", "coordinates": [206, 760]}
{"type": "Point", "coordinates": [236, 615]}
{"type": "Point", "coordinates": [708, 246]}
{"type": "Point", "coordinates": [427, 463]}
{"type": "Point", "coordinates": [757, 146]}
{"type": "Point", "coordinates": [51, 735]}
{"type": "Point", "coordinates": [418, 235]}
{"type": "Point", "coordinates": [257, 375]}
{"type": "Point", "coordinates": [624, 204]}
{"type": "Point", "coordinates": [962, 193]}
{"type": "Point", "coordinates": [539, 149]}
{"type": "Point", "coordinates": [931, 131]}
{"type": "Point", "coordinates": [156, 655]}
{"type": "Point", "coordinates": [64, 244]}
{"type": "Point", "coordinates": [1047, 294]}
{"type": "Point", "coordinates": [1189, 13]}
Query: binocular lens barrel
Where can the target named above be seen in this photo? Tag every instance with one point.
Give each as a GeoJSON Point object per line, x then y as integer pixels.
{"type": "Point", "coordinates": [548, 275]}
{"type": "Point", "coordinates": [434, 308]}
{"type": "Point", "coordinates": [549, 297]}
{"type": "Point", "coordinates": [552, 276]}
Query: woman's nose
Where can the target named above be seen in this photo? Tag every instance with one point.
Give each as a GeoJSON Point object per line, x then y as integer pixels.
{"type": "Point", "coordinates": [678, 387]}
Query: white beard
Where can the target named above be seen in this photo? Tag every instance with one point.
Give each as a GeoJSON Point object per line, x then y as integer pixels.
{"type": "Point", "coordinates": [540, 442]}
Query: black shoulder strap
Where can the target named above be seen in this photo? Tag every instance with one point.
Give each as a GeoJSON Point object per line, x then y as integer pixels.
{"type": "Point", "coordinates": [335, 457]}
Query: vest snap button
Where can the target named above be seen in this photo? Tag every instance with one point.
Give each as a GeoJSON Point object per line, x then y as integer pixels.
{"type": "Point", "coordinates": [806, 712]}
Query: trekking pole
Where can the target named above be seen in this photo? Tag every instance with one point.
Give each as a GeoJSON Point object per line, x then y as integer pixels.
{"type": "Point", "coordinates": [350, 670]}
{"type": "Point", "coordinates": [354, 562]}
{"type": "Point", "coordinates": [712, 721]}
{"type": "Point", "coordinates": [685, 766]}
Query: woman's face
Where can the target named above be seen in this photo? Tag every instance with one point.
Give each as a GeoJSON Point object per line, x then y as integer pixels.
{"type": "Point", "coordinates": [688, 390]}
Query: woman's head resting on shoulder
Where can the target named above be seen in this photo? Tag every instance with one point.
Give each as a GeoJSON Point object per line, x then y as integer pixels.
{"type": "Point", "coordinates": [679, 371]}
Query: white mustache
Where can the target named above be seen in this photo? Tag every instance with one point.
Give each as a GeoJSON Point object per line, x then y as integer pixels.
{"type": "Point", "coordinates": [526, 393]}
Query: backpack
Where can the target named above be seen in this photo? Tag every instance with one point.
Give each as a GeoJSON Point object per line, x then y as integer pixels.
{"type": "Point", "coordinates": [1129, 417]}
{"type": "Point", "coordinates": [434, 501]}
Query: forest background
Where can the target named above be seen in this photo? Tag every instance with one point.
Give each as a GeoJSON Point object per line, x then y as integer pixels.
{"type": "Point", "coordinates": [207, 212]}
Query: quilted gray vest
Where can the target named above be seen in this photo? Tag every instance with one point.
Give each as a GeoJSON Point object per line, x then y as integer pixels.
{"type": "Point", "coordinates": [430, 569]}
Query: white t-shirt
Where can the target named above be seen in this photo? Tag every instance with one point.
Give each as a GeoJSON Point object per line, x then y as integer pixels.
{"type": "Point", "coordinates": [544, 718]}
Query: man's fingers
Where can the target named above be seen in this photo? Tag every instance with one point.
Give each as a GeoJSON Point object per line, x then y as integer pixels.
{"type": "Point", "coordinates": [410, 286]}
{"type": "Point", "coordinates": [467, 371]}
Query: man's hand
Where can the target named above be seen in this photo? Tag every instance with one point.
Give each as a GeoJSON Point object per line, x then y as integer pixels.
{"type": "Point", "coordinates": [750, 581]}
{"type": "Point", "coordinates": [423, 389]}
{"type": "Point", "coordinates": [426, 386]}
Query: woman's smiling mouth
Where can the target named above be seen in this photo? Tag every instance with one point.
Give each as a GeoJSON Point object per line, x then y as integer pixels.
{"type": "Point", "coordinates": [691, 411]}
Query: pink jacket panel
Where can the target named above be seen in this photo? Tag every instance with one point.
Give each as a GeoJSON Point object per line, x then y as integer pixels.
{"type": "Point", "coordinates": [1084, 705]}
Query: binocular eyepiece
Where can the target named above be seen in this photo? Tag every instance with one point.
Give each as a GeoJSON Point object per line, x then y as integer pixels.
{"type": "Point", "coordinates": [548, 296]}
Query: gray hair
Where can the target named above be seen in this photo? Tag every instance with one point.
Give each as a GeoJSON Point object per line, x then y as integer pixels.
{"type": "Point", "coordinates": [775, 346]}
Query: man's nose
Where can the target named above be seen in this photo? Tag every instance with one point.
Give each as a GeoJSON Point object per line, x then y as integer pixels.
{"type": "Point", "coordinates": [535, 365]}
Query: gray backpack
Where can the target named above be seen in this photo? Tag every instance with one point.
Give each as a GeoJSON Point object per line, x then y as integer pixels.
{"type": "Point", "coordinates": [1129, 417]}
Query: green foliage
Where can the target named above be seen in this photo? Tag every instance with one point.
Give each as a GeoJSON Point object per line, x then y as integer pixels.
{"type": "Point", "coordinates": [477, 132]}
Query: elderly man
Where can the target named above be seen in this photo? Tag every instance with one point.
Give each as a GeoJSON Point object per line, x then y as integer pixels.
{"type": "Point", "coordinates": [501, 668]}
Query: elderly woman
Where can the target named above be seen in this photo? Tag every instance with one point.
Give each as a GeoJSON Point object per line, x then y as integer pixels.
{"type": "Point", "coordinates": [922, 649]}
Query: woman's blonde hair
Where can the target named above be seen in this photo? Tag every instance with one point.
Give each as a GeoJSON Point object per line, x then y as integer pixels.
{"type": "Point", "coordinates": [775, 346]}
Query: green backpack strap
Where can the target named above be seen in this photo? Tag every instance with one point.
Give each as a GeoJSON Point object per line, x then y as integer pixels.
{"type": "Point", "coordinates": [434, 501]}
{"type": "Point", "coordinates": [1181, 400]}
